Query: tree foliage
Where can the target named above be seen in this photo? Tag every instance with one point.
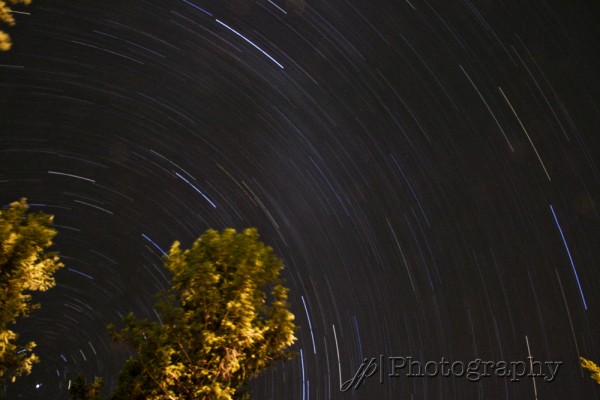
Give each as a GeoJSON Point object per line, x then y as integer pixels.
{"type": "Point", "coordinates": [7, 17]}
{"type": "Point", "coordinates": [225, 319]}
{"type": "Point", "coordinates": [81, 390]}
{"type": "Point", "coordinates": [592, 367]}
{"type": "Point", "coordinates": [24, 267]}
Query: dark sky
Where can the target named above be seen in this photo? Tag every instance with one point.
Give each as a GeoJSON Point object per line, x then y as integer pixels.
{"type": "Point", "coordinates": [428, 171]}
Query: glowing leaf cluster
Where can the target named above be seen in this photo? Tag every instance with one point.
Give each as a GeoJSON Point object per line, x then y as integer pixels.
{"type": "Point", "coordinates": [7, 17]}
{"type": "Point", "coordinates": [592, 367]}
{"type": "Point", "coordinates": [225, 319]}
{"type": "Point", "coordinates": [24, 267]}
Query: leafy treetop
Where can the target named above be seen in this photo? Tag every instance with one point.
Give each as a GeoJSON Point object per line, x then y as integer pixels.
{"type": "Point", "coordinates": [225, 319]}
{"type": "Point", "coordinates": [24, 267]}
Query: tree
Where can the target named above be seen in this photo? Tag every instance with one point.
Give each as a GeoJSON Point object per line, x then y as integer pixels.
{"type": "Point", "coordinates": [6, 16]}
{"type": "Point", "coordinates": [81, 390]}
{"type": "Point", "coordinates": [24, 267]}
{"type": "Point", "coordinates": [225, 319]}
{"type": "Point", "coordinates": [592, 367]}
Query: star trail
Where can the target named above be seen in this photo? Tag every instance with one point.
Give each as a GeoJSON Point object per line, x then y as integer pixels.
{"type": "Point", "coordinates": [428, 171]}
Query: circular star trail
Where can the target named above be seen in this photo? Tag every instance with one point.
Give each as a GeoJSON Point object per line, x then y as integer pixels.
{"type": "Point", "coordinates": [428, 171]}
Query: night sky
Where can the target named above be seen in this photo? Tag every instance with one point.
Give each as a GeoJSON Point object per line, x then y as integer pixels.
{"type": "Point", "coordinates": [427, 170]}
